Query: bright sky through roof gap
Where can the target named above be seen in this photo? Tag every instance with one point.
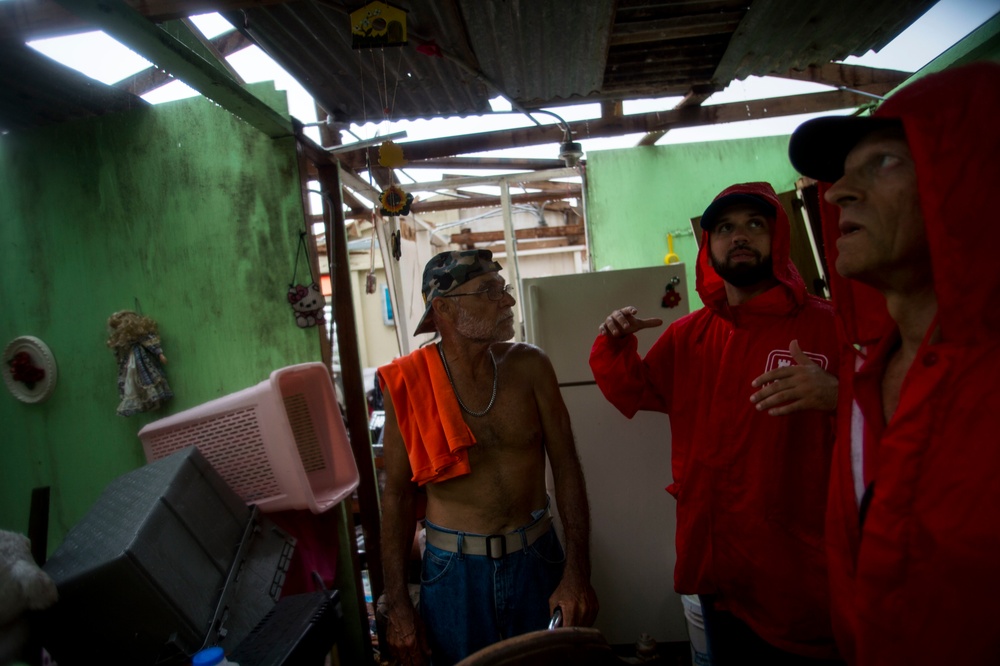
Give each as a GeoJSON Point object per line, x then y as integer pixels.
{"type": "Point", "coordinates": [108, 60]}
{"type": "Point", "coordinates": [946, 23]}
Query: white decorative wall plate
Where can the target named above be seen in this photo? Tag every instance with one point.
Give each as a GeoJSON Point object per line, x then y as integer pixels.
{"type": "Point", "coordinates": [29, 369]}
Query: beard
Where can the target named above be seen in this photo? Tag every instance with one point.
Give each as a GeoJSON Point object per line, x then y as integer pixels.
{"type": "Point", "coordinates": [482, 330]}
{"type": "Point", "coordinates": [744, 274]}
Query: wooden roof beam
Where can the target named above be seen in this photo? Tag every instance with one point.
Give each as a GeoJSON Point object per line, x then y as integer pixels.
{"type": "Point", "coordinates": [694, 97]}
{"type": "Point", "coordinates": [483, 201]}
{"type": "Point", "coordinates": [152, 78]}
{"type": "Point", "coordinates": [472, 237]}
{"type": "Point", "coordinates": [161, 48]}
{"type": "Point", "coordinates": [512, 163]}
{"type": "Point", "coordinates": [854, 77]}
{"type": "Point", "coordinates": [680, 27]}
{"type": "Point", "coordinates": [633, 124]}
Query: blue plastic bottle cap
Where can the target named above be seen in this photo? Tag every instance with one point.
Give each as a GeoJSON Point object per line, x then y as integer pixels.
{"type": "Point", "coordinates": [208, 657]}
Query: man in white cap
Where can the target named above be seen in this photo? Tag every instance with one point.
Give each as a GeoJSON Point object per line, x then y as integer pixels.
{"type": "Point", "coordinates": [470, 420]}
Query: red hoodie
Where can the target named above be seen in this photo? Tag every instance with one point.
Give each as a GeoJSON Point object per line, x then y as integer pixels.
{"type": "Point", "coordinates": [917, 584]}
{"type": "Point", "coordinates": [750, 488]}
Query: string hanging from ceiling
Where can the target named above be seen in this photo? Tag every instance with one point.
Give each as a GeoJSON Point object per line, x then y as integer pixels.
{"type": "Point", "coordinates": [375, 27]}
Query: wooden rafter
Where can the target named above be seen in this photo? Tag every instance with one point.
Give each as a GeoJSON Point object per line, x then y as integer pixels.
{"type": "Point", "coordinates": [512, 163]}
{"type": "Point", "coordinates": [470, 237]}
{"type": "Point", "coordinates": [152, 78]}
{"type": "Point", "coordinates": [694, 97]}
{"type": "Point", "coordinates": [677, 27]}
{"type": "Point", "coordinates": [160, 47]}
{"type": "Point", "coordinates": [854, 77]}
{"type": "Point", "coordinates": [633, 124]}
{"type": "Point", "coordinates": [483, 201]}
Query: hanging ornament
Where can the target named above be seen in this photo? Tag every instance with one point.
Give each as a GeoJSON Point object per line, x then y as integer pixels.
{"type": "Point", "coordinates": [142, 380]}
{"type": "Point", "coordinates": [390, 154]}
{"type": "Point", "coordinates": [370, 280]}
{"type": "Point", "coordinates": [307, 301]}
{"type": "Point", "coordinates": [671, 297]}
{"type": "Point", "coordinates": [376, 25]}
{"type": "Point", "coordinates": [430, 48]}
{"type": "Point", "coordinates": [395, 201]}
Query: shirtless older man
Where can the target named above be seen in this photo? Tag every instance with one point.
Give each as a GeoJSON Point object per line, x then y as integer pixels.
{"type": "Point", "coordinates": [471, 420]}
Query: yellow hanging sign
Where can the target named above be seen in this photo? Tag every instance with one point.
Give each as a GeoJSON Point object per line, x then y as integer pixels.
{"type": "Point", "coordinates": [390, 154]}
{"type": "Point", "coordinates": [378, 24]}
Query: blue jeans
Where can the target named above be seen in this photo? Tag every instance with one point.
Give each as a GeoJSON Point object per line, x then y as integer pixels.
{"type": "Point", "coordinates": [468, 602]}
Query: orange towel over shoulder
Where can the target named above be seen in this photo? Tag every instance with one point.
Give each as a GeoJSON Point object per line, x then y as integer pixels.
{"type": "Point", "coordinates": [429, 418]}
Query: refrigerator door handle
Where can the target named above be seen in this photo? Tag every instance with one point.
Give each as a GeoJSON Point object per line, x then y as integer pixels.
{"type": "Point", "coordinates": [534, 293]}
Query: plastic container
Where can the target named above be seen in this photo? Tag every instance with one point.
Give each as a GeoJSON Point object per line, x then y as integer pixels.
{"type": "Point", "coordinates": [280, 444]}
{"type": "Point", "coordinates": [213, 656]}
{"type": "Point", "coordinates": [696, 630]}
{"type": "Point", "coordinates": [166, 561]}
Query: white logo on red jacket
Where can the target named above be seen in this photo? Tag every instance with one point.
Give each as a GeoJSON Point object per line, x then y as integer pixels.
{"type": "Point", "coordinates": [782, 358]}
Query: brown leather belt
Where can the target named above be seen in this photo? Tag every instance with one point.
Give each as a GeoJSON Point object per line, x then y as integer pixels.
{"type": "Point", "coordinates": [494, 546]}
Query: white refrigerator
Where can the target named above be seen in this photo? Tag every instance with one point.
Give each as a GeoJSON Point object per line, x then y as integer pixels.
{"type": "Point", "coordinates": [626, 462]}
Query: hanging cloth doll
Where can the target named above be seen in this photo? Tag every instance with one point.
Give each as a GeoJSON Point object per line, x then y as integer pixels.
{"type": "Point", "coordinates": [142, 384]}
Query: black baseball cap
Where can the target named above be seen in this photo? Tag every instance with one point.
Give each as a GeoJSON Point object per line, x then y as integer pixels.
{"type": "Point", "coordinates": [751, 194]}
{"type": "Point", "coordinates": [818, 147]}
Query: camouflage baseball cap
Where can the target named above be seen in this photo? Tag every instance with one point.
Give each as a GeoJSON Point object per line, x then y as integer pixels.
{"type": "Point", "coordinates": [448, 271]}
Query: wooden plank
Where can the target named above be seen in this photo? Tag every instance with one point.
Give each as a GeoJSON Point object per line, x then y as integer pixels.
{"type": "Point", "coordinates": [470, 237]}
{"type": "Point", "coordinates": [356, 404]}
{"type": "Point", "coordinates": [156, 45]}
{"type": "Point", "coordinates": [486, 201]}
{"type": "Point", "coordinates": [638, 123]}
{"type": "Point", "coordinates": [680, 27]}
{"type": "Point", "coordinates": [694, 97]}
{"type": "Point", "coordinates": [849, 76]}
{"type": "Point", "coordinates": [188, 34]}
{"type": "Point", "coordinates": [512, 163]}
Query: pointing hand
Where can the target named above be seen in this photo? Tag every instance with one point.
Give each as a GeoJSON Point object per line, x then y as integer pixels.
{"type": "Point", "coordinates": [624, 321]}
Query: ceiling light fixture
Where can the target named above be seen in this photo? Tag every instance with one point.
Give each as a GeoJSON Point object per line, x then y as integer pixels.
{"type": "Point", "coordinates": [570, 151]}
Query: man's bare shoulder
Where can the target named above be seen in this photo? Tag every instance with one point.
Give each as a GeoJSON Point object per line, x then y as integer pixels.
{"type": "Point", "coordinates": [521, 354]}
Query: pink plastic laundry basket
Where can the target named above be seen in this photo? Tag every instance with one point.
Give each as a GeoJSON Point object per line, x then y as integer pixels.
{"type": "Point", "coordinates": [280, 444]}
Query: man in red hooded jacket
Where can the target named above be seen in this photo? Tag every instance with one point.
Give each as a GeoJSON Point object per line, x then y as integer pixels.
{"type": "Point", "coordinates": [750, 402]}
{"type": "Point", "coordinates": [913, 526]}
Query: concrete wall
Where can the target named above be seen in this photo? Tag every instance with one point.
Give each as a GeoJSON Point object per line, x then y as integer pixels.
{"type": "Point", "coordinates": [181, 208]}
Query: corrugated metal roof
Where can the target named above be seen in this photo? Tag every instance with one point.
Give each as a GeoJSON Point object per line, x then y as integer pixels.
{"type": "Point", "coordinates": [312, 42]}
{"type": "Point", "coordinates": [554, 52]}
{"type": "Point", "coordinates": [537, 52]}
{"type": "Point", "coordinates": [540, 52]}
{"type": "Point", "coordinates": [778, 35]}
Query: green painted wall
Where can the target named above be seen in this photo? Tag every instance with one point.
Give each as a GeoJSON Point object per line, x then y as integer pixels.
{"type": "Point", "coordinates": [635, 196]}
{"type": "Point", "coordinates": [182, 207]}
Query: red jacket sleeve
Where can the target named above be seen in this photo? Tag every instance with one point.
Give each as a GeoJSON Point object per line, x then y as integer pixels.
{"type": "Point", "coordinates": [628, 382]}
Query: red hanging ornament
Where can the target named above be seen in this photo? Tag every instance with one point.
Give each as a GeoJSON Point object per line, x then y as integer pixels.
{"type": "Point", "coordinates": [671, 297]}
